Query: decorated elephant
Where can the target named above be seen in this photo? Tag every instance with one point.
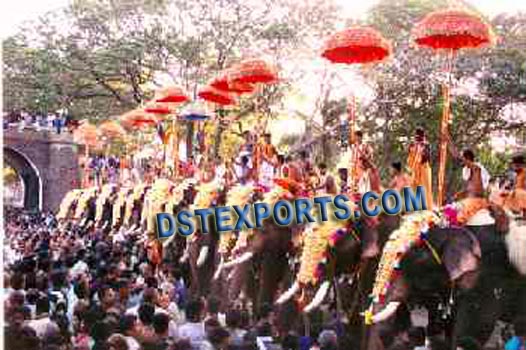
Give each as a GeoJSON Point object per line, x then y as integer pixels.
{"type": "Point", "coordinates": [104, 205]}
{"type": "Point", "coordinates": [86, 206]}
{"type": "Point", "coordinates": [262, 259]}
{"type": "Point", "coordinates": [134, 205]}
{"type": "Point", "coordinates": [462, 274]}
{"type": "Point", "coordinates": [68, 205]}
{"type": "Point", "coordinates": [119, 206]}
{"type": "Point", "coordinates": [201, 248]}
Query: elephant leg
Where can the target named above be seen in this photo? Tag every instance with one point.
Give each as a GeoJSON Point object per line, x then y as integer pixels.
{"type": "Point", "coordinates": [273, 268]}
{"type": "Point", "coordinates": [476, 315]}
{"type": "Point", "coordinates": [240, 276]}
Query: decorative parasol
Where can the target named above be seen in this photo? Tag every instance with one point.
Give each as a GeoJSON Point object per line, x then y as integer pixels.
{"type": "Point", "coordinates": [158, 108]}
{"type": "Point", "coordinates": [253, 72]}
{"type": "Point", "coordinates": [138, 118]}
{"type": "Point", "coordinates": [216, 96]}
{"type": "Point", "coordinates": [222, 83]}
{"type": "Point", "coordinates": [86, 134]}
{"type": "Point", "coordinates": [450, 30]}
{"type": "Point", "coordinates": [112, 130]}
{"type": "Point", "coordinates": [356, 45]}
{"type": "Point", "coordinates": [171, 94]}
{"type": "Point", "coordinates": [352, 46]}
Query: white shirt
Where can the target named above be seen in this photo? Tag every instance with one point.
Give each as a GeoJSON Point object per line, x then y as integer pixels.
{"type": "Point", "coordinates": [195, 332]}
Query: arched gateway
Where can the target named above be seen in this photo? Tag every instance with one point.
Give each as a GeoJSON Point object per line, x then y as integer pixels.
{"type": "Point", "coordinates": [47, 164]}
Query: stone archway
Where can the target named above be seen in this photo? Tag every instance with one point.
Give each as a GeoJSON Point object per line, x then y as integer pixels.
{"type": "Point", "coordinates": [30, 176]}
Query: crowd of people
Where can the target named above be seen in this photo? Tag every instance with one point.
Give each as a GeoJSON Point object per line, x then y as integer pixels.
{"type": "Point", "coordinates": [50, 122]}
{"type": "Point", "coordinates": [68, 288]}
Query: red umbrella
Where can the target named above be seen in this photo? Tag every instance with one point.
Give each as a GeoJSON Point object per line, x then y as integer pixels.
{"type": "Point", "coordinates": [158, 108]}
{"type": "Point", "coordinates": [450, 30]}
{"type": "Point", "coordinates": [222, 83]}
{"type": "Point", "coordinates": [351, 46]}
{"type": "Point", "coordinates": [171, 94]}
{"type": "Point", "coordinates": [139, 118]}
{"type": "Point", "coordinates": [453, 30]}
{"type": "Point", "coordinates": [253, 72]}
{"type": "Point", "coordinates": [216, 96]}
{"type": "Point", "coordinates": [356, 45]}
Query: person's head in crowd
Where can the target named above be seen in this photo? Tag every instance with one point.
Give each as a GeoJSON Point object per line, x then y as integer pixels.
{"type": "Point", "coordinates": [17, 281]}
{"type": "Point", "coordinates": [28, 339]}
{"type": "Point", "coordinates": [518, 163]}
{"type": "Point", "coordinates": [117, 342]}
{"type": "Point", "coordinates": [150, 296]}
{"type": "Point", "coordinates": [17, 315]}
{"type": "Point", "coordinates": [16, 299]}
{"type": "Point", "coordinates": [420, 134]}
{"type": "Point", "coordinates": [328, 340]}
{"type": "Point", "coordinates": [102, 330]}
{"type": "Point", "coordinates": [146, 313]}
{"type": "Point", "coordinates": [468, 157]}
{"type": "Point", "coordinates": [42, 306]}
{"type": "Point", "coordinates": [417, 336]}
{"type": "Point", "coordinates": [396, 168]}
{"type": "Point", "coordinates": [468, 343]}
{"type": "Point", "coordinates": [128, 325]}
{"type": "Point", "coordinates": [107, 296]}
{"type": "Point", "coordinates": [212, 306]}
{"type": "Point", "coordinates": [182, 344]}
{"type": "Point", "coordinates": [358, 136]}
{"type": "Point", "coordinates": [290, 341]}
{"type": "Point", "coordinates": [268, 138]}
{"type": "Point", "coordinates": [211, 324]}
{"type": "Point", "coordinates": [194, 310]}
{"type": "Point", "coordinates": [220, 338]}
{"type": "Point", "coordinates": [161, 322]}
{"type": "Point", "coordinates": [233, 319]}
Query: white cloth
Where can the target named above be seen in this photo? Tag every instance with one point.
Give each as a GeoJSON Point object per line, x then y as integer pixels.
{"type": "Point", "coordinates": [43, 326]}
{"type": "Point", "coordinates": [266, 173]}
{"type": "Point", "coordinates": [195, 332]}
{"type": "Point", "coordinates": [466, 173]}
{"type": "Point", "coordinates": [133, 344]}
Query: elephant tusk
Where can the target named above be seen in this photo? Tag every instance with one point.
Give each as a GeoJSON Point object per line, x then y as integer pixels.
{"type": "Point", "coordinates": [289, 293]}
{"type": "Point", "coordinates": [219, 269]}
{"type": "Point", "coordinates": [319, 297]}
{"type": "Point", "coordinates": [105, 225]}
{"type": "Point", "coordinates": [387, 312]}
{"type": "Point", "coordinates": [203, 254]}
{"type": "Point", "coordinates": [184, 258]}
{"type": "Point", "coordinates": [243, 258]}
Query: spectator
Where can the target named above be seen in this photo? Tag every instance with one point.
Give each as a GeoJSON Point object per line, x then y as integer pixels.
{"type": "Point", "coordinates": [193, 329]}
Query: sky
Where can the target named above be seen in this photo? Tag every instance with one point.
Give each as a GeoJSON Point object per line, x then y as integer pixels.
{"type": "Point", "coordinates": [15, 12]}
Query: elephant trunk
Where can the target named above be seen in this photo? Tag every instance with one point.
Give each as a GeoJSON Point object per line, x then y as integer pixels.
{"type": "Point", "coordinates": [319, 297]}
{"type": "Point", "coordinates": [239, 260]}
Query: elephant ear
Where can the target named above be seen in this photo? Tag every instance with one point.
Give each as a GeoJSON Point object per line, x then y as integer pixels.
{"type": "Point", "coordinates": [461, 253]}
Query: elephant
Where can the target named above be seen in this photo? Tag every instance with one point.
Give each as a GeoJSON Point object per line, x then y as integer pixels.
{"type": "Point", "coordinates": [119, 207]}
{"type": "Point", "coordinates": [480, 292]}
{"type": "Point", "coordinates": [342, 265]}
{"type": "Point", "coordinates": [104, 206]}
{"type": "Point", "coordinates": [69, 204]}
{"type": "Point", "coordinates": [134, 205]}
{"type": "Point", "coordinates": [201, 248]}
{"type": "Point", "coordinates": [86, 206]}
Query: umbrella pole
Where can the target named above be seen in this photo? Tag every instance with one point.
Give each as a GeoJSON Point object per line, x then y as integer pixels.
{"type": "Point", "coordinates": [352, 137]}
{"type": "Point", "coordinates": [446, 96]}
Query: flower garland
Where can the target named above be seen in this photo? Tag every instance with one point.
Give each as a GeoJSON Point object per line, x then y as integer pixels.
{"type": "Point", "coordinates": [319, 237]}
{"type": "Point", "coordinates": [238, 195]}
{"type": "Point", "coordinates": [412, 231]}
{"type": "Point", "coordinates": [83, 201]}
